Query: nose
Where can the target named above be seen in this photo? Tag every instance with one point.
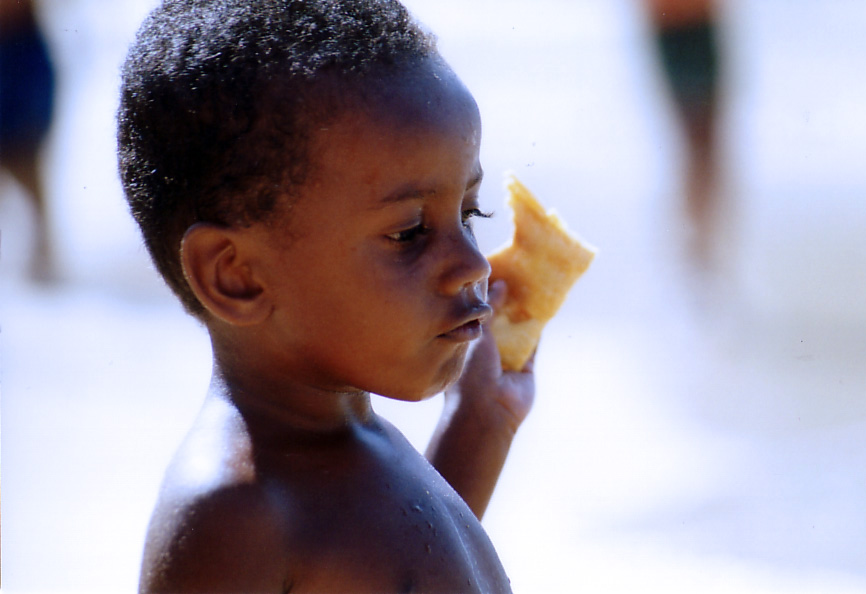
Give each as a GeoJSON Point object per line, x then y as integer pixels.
{"type": "Point", "coordinates": [465, 266]}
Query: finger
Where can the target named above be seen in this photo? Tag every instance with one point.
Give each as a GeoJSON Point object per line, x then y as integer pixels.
{"type": "Point", "coordinates": [529, 366]}
{"type": "Point", "coordinates": [496, 294]}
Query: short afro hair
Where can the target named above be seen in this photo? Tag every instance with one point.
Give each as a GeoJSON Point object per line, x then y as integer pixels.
{"type": "Point", "coordinates": [218, 98]}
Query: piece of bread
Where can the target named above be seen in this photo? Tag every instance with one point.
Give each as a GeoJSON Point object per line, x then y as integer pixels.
{"type": "Point", "coordinates": [540, 265]}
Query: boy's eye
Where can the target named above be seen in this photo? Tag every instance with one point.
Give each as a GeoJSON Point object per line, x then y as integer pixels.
{"type": "Point", "coordinates": [408, 235]}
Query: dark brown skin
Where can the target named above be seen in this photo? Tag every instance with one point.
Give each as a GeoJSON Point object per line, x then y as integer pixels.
{"type": "Point", "coordinates": [669, 13]}
{"type": "Point", "coordinates": [14, 13]}
{"type": "Point", "coordinates": [288, 481]}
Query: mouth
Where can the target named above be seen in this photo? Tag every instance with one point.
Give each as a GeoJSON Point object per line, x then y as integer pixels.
{"type": "Point", "coordinates": [468, 327]}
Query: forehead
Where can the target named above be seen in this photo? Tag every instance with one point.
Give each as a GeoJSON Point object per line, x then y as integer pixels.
{"type": "Point", "coordinates": [424, 97]}
{"type": "Point", "coordinates": [427, 97]}
{"type": "Point", "coordinates": [419, 126]}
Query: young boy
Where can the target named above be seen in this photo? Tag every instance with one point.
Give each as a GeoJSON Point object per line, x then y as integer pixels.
{"type": "Point", "coordinates": [305, 174]}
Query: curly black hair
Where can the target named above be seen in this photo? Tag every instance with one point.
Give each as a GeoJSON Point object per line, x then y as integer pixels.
{"type": "Point", "coordinates": [218, 99]}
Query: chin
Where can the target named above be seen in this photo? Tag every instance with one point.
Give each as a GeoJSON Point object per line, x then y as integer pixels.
{"type": "Point", "coordinates": [443, 380]}
{"type": "Point", "coordinates": [413, 395]}
{"type": "Point", "coordinates": [429, 384]}
{"type": "Point", "coordinates": [448, 375]}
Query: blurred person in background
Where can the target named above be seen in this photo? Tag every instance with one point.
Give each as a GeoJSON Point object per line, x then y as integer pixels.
{"type": "Point", "coordinates": [686, 36]}
{"type": "Point", "coordinates": [26, 106]}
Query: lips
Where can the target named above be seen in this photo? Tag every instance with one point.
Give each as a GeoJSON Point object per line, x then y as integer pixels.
{"type": "Point", "coordinates": [468, 325]}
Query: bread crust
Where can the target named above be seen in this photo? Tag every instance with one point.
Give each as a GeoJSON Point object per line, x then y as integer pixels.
{"type": "Point", "coordinates": [539, 266]}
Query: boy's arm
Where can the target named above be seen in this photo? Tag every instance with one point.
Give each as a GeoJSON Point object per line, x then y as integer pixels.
{"type": "Point", "coordinates": [482, 413]}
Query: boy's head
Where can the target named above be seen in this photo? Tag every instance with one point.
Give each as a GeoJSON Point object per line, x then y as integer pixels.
{"type": "Point", "coordinates": [221, 98]}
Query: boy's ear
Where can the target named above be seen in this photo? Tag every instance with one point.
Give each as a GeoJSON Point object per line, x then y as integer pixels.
{"type": "Point", "coordinates": [216, 263]}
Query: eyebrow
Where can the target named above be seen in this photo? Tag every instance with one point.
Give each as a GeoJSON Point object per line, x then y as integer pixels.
{"type": "Point", "coordinates": [405, 193]}
{"type": "Point", "coordinates": [410, 192]}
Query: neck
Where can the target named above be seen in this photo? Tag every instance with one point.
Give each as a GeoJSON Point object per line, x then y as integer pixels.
{"type": "Point", "coordinates": [276, 402]}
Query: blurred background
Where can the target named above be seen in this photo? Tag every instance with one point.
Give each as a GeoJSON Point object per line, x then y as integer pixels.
{"type": "Point", "coordinates": [701, 413]}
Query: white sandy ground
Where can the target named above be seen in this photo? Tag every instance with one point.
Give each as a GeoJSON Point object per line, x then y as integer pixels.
{"type": "Point", "coordinates": [693, 433]}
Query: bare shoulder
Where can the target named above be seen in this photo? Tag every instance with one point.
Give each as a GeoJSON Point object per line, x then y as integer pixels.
{"type": "Point", "coordinates": [213, 542]}
{"type": "Point", "coordinates": [214, 517]}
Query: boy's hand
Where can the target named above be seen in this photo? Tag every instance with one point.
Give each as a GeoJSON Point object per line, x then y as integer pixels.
{"type": "Point", "coordinates": [486, 390]}
{"type": "Point", "coordinates": [483, 411]}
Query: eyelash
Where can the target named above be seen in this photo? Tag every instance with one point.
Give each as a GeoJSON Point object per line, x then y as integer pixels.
{"type": "Point", "coordinates": [409, 235]}
{"type": "Point", "coordinates": [474, 212]}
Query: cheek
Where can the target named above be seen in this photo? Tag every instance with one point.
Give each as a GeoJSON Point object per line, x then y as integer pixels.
{"type": "Point", "coordinates": [364, 295]}
{"type": "Point", "coordinates": [396, 286]}
{"type": "Point", "coordinates": [374, 302]}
